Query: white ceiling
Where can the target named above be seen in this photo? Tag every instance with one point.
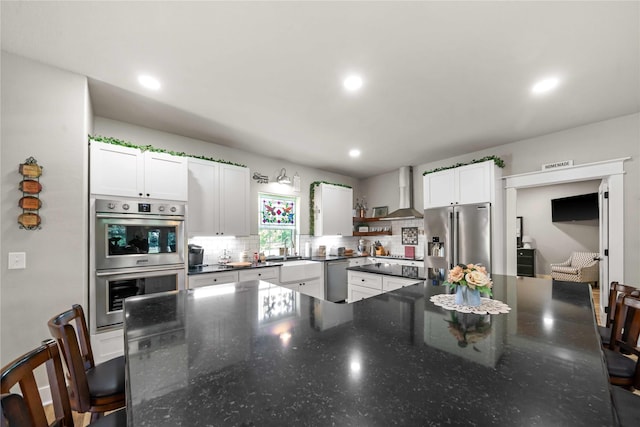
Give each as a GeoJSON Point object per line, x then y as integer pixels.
{"type": "Point", "coordinates": [441, 78]}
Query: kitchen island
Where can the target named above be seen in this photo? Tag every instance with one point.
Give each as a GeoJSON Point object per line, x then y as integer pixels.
{"type": "Point", "coordinates": [254, 353]}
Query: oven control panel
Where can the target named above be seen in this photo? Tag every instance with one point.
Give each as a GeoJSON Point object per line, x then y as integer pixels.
{"type": "Point", "coordinates": [138, 207]}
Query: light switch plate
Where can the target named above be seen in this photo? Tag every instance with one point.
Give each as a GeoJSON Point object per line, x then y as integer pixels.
{"type": "Point", "coordinates": [17, 260]}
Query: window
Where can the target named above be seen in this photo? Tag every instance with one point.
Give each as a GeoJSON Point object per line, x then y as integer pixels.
{"type": "Point", "coordinates": [278, 224]}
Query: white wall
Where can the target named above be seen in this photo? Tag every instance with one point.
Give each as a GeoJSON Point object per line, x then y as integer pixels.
{"type": "Point", "coordinates": [555, 241]}
{"type": "Point", "coordinates": [610, 139]}
{"type": "Point", "coordinates": [44, 115]}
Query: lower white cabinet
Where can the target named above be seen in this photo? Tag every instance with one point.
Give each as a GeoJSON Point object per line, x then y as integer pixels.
{"type": "Point", "coordinates": [306, 278]}
{"type": "Point", "coordinates": [312, 287]}
{"type": "Point", "coordinates": [208, 279]}
{"type": "Point", "coordinates": [107, 345]}
{"type": "Point", "coordinates": [269, 274]}
{"type": "Point", "coordinates": [366, 285]}
{"type": "Point", "coordinates": [390, 283]}
{"type": "Point", "coordinates": [358, 261]}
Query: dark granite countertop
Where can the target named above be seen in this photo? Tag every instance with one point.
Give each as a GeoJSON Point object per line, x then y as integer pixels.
{"type": "Point", "coordinates": [406, 271]}
{"type": "Point", "coordinates": [217, 268]}
{"type": "Point", "coordinates": [257, 354]}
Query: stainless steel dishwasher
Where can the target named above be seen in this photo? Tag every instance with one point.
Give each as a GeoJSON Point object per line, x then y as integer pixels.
{"type": "Point", "coordinates": [335, 275]}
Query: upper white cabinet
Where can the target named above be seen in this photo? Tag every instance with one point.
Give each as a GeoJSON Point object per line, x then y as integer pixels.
{"type": "Point", "coordinates": [333, 210]}
{"type": "Point", "coordinates": [475, 183]}
{"type": "Point", "coordinates": [218, 199]}
{"type": "Point", "coordinates": [123, 171]}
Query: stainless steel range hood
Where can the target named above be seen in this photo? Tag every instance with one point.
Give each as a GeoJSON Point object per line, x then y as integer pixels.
{"type": "Point", "coordinates": [406, 210]}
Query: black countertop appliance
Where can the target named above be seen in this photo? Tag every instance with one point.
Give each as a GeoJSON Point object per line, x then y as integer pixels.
{"type": "Point", "coordinates": [196, 254]}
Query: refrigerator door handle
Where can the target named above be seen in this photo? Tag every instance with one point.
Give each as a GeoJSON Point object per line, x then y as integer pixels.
{"type": "Point", "coordinates": [456, 237]}
{"type": "Point", "coordinates": [451, 242]}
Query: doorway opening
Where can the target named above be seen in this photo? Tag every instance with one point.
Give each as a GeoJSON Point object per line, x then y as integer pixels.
{"type": "Point", "coordinates": [611, 173]}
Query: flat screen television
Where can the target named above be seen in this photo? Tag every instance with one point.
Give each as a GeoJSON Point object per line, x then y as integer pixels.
{"type": "Point", "coordinates": [575, 208]}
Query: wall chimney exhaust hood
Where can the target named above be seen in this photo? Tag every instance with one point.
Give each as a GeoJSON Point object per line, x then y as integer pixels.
{"type": "Point", "coordinates": [406, 210]}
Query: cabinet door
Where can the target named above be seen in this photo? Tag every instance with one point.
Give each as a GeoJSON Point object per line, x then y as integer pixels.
{"type": "Point", "coordinates": [116, 170]}
{"type": "Point", "coordinates": [165, 176]}
{"type": "Point", "coordinates": [208, 279]}
{"type": "Point", "coordinates": [439, 189]}
{"type": "Point", "coordinates": [202, 217]}
{"type": "Point", "coordinates": [357, 293]}
{"type": "Point", "coordinates": [313, 288]}
{"type": "Point", "coordinates": [335, 211]}
{"type": "Point", "coordinates": [474, 183]}
{"type": "Point", "coordinates": [390, 283]}
{"type": "Point", "coordinates": [373, 281]}
{"type": "Point", "coordinates": [269, 274]}
{"type": "Point", "coordinates": [234, 200]}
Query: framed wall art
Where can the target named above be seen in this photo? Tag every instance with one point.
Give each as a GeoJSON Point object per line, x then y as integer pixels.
{"type": "Point", "coordinates": [409, 235]}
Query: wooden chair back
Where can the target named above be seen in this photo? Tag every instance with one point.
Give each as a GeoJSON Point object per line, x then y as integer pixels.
{"type": "Point", "coordinates": [21, 372]}
{"type": "Point", "coordinates": [625, 333]}
{"type": "Point", "coordinates": [617, 291]}
{"type": "Point", "coordinates": [76, 353]}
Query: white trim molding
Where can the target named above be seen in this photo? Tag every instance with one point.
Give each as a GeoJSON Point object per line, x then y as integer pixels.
{"type": "Point", "coordinates": [610, 170]}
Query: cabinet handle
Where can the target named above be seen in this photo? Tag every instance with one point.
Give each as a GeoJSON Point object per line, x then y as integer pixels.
{"type": "Point", "coordinates": [148, 194]}
{"type": "Point", "coordinates": [139, 194]}
{"type": "Point", "coordinates": [259, 274]}
{"type": "Point", "coordinates": [362, 280]}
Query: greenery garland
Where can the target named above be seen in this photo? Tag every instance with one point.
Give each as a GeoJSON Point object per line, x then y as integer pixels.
{"type": "Point", "coordinates": [312, 192]}
{"type": "Point", "coordinates": [115, 141]}
{"type": "Point", "coordinates": [497, 160]}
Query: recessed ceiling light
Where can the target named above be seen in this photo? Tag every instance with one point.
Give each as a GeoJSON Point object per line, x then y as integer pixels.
{"type": "Point", "coordinates": [352, 83]}
{"type": "Point", "coordinates": [354, 153]}
{"type": "Point", "coordinates": [149, 82]}
{"type": "Point", "coordinates": [545, 85]}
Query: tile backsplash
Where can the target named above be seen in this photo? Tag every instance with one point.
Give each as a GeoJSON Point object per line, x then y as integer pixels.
{"type": "Point", "coordinates": [214, 246]}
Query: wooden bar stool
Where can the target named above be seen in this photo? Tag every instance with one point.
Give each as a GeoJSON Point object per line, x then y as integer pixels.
{"type": "Point", "coordinates": [617, 291]}
{"type": "Point", "coordinates": [92, 388]}
{"type": "Point", "coordinates": [625, 371]}
{"type": "Point", "coordinates": [27, 410]}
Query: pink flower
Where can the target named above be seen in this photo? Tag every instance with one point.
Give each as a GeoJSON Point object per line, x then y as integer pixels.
{"type": "Point", "coordinates": [477, 278]}
{"type": "Point", "coordinates": [456, 274]}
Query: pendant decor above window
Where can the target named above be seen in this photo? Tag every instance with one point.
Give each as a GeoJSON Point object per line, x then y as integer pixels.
{"type": "Point", "coordinates": [277, 211]}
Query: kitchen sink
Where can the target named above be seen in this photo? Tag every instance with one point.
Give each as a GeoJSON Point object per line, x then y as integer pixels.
{"type": "Point", "coordinates": [298, 270]}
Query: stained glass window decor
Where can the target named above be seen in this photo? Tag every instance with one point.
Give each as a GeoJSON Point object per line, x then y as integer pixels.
{"type": "Point", "coordinates": [277, 211]}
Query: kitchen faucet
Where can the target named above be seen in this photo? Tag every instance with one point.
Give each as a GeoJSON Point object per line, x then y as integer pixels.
{"type": "Point", "coordinates": [286, 249]}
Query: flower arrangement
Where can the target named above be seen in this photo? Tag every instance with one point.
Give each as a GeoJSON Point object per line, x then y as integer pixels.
{"type": "Point", "coordinates": [474, 276]}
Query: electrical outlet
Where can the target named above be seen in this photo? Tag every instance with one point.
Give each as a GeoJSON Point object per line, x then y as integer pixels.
{"type": "Point", "coordinates": [17, 260]}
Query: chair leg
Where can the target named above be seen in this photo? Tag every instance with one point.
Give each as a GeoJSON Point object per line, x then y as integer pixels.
{"type": "Point", "coordinates": [95, 416]}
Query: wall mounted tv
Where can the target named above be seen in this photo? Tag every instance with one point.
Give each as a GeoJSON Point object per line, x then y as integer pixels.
{"type": "Point", "coordinates": [575, 208]}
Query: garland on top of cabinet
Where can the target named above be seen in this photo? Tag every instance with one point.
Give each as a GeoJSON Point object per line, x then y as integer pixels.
{"type": "Point", "coordinates": [312, 192]}
{"type": "Point", "coordinates": [115, 141]}
{"type": "Point", "coordinates": [497, 160]}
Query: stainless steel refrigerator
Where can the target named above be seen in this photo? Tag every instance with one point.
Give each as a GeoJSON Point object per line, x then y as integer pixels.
{"type": "Point", "coordinates": [459, 234]}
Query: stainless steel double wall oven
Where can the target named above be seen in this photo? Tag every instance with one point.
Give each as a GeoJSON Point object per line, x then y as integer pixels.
{"type": "Point", "coordinates": [138, 250]}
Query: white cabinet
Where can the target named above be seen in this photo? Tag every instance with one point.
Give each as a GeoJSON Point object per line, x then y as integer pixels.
{"type": "Point", "coordinates": [390, 283]}
{"type": "Point", "coordinates": [474, 183]}
{"type": "Point", "coordinates": [357, 293]}
{"type": "Point", "coordinates": [218, 199]}
{"type": "Point", "coordinates": [208, 279]}
{"type": "Point", "coordinates": [353, 262]}
{"type": "Point", "coordinates": [312, 287]}
{"type": "Point", "coordinates": [408, 262]}
{"type": "Point", "coordinates": [333, 210]}
{"type": "Point", "coordinates": [123, 171]}
{"type": "Point", "coordinates": [366, 285]}
{"type": "Point", "coordinates": [268, 274]}
{"type": "Point", "coordinates": [363, 285]}
{"type": "Point", "coordinates": [305, 277]}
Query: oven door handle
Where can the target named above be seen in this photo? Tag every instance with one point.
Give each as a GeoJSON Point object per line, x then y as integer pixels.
{"type": "Point", "coordinates": [138, 270]}
{"type": "Point", "coordinates": [136, 216]}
